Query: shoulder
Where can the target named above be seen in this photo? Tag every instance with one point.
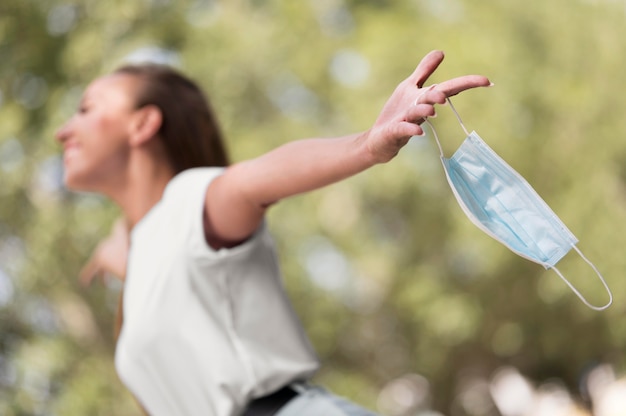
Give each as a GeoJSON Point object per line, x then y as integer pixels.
{"type": "Point", "coordinates": [192, 178]}
{"type": "Point", "coordinates": [178, 216]}
{"type": "Point", "coordinates": [190, 183]}
{"type": "Point", "coordinates": [184, 194]}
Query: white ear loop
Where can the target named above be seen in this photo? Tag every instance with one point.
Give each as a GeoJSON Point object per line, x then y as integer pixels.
{"type": "Point", "coordinates": [580, 296]}
{"type": "Point", "coordinates": [458, 117]}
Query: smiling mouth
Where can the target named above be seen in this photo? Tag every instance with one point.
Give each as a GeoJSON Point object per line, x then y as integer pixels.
{"type": "Point", "coordinates": [70, 152]}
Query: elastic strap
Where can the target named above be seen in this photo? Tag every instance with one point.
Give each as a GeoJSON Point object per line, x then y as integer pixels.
{"type": "Point", "coordinates": [580, 296]}
{"type": "Point", "coordinates": [458, 117]}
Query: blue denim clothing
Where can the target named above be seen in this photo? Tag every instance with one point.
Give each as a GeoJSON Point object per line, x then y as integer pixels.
{"type": "Point", "coordinates": [316, 401]}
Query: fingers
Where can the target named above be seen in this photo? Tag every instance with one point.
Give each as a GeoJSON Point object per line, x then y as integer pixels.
{"type": "Point", "coordinates": [437, 94]}
{"type": "Point", "coordinates": [429, 64]}
{"type": "Point", "coordinates": [456, 85]}
{"type": "Point", "coordinates": [426, 67]}
{"type": "Point", "coordinates": [420, 112]}
{"type": "Point", "coordinates": [424, 106]}
{"type": "Point", "coordinates": [404, 132]}
{"type": "Point", "coordinates": [431, 95]}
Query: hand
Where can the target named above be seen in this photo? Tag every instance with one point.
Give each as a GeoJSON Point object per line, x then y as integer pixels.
{"type": "Point", "coordinates": [411, 103]}
{"type": "Point", "coordinates": [109, 257]}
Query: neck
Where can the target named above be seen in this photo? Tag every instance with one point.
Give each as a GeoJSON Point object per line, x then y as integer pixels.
{"type": "Point", "coordinates": [143, 187]}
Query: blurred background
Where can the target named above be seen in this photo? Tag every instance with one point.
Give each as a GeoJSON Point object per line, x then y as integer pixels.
{"type": "Point", "coordinates": [412, 309]}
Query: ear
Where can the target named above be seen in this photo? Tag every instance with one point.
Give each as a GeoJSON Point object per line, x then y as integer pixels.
{"type": "Point", "coordinates": [145, 125]}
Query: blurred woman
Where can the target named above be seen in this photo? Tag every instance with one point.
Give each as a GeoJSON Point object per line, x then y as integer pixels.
{"type": "Point", "coordinates": [208, 329]}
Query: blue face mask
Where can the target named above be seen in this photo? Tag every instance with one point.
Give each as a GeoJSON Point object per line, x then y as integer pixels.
{"type": "Point", "coordinates": [502, 203]}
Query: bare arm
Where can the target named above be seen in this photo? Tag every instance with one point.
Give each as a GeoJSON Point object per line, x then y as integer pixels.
{"type": "Point", "coordinates": [237, 200]}
{"type": "Point", "coordinates": [109, 257]}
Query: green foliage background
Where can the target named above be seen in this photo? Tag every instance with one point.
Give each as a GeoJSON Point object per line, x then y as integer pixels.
{"type": "Point", "coordinates": [387, 274]}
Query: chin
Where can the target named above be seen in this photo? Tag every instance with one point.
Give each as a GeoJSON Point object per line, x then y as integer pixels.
{"type": "Point", "coordinates": [72, 186]}
{"type": "Point", "coordinates": [74, 182]}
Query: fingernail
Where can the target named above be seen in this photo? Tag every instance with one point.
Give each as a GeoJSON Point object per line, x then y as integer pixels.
{"type": "Point", "coordinates": [491, 84]}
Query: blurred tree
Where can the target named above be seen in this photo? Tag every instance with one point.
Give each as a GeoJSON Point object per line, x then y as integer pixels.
{"type": "Point", "coordinates": [388, 275]}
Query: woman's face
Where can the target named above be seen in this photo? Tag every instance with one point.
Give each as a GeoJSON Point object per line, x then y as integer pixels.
{"type": "Point", "coordinates": [95, 140]}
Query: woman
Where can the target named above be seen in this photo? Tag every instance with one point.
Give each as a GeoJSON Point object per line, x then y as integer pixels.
{"type": "Point", "coordinates": [207, 327]}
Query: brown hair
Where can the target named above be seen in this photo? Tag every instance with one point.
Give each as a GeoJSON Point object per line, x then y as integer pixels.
{"type": "Point", "coordinates": [189, 130]}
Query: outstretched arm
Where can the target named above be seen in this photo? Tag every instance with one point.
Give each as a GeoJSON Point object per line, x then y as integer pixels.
{"type": "Point", "coordinates": [109, 257]}
{"type": "Point", "coordinates": [237, 200]}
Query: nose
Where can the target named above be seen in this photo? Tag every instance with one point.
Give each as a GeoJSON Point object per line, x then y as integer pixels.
{"type": "Point", "coordinates": [63, 133]}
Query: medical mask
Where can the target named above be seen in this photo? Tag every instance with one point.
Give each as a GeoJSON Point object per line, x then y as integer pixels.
{"type": "Point", "coordinates": [502, 203]}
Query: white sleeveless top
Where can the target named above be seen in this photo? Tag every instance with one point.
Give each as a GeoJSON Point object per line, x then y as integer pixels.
{"type": "Point", "coordinates": [204, 330]}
